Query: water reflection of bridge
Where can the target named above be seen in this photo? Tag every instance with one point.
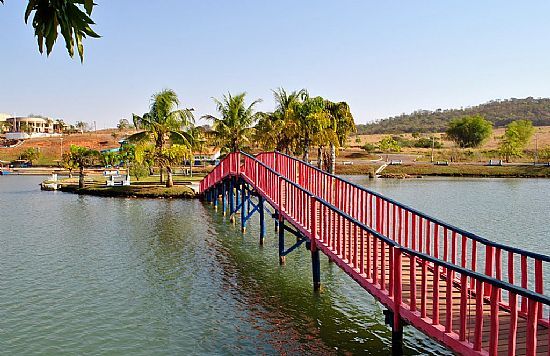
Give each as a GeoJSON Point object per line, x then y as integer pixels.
{"type": "Point", "coordinates": [472, 295]}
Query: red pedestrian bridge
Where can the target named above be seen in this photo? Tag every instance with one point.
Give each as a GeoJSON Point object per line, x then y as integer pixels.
{"type": "Point", "coordinates": [472, 295]}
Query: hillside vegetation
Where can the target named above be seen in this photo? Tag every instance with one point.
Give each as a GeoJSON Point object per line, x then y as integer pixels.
{"type": "Point", "coordinates": [499, 112]}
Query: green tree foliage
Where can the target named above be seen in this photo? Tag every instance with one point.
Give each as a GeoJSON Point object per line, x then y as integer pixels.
{"type": "Point", "coordinates": [30, 154]}
{"type": "Point", "coordinates": [71, 18]}
{"type": "Point", "coordinates": [427, 142]}
{"type": "Point", "coordinates": [369, 147]}
{"type": "Point", "coordinates": [110, 159]}
{"type": "Point", "coordinates": [233, 129]}
{"type": "Point", "coordinates": [173, 155]}
{"type": "Point", "coordinates": [544, 154]}
{"type": "Point", "coordinates": [388, 144]}
{"type": "Point", "coordinates": [469, 131]}
{"type": "Point", "coordinates": [499, 112]}
{"type": "Point", "coordinates": [278, 129]}
{"type": "Point", "coordinates": [80, 157]}
{"type": "Point", "coordinates": [516, 137]}
{"type": "Point", "coordinates": [163, 125]}
{"type": "Point", "coordinates": [312, 122]}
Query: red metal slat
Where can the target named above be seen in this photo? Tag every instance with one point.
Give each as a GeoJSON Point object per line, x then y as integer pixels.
{"type": "Point", "coordinates": [493, 340]}
{"type": "Point", "coordinates": [478, 331]}
{"type": "Point", "coordinates": [512, 335]}
{"type": "Point", "coordinates": [449, 301]}
{"type": "Point", "coordinates": [435, 306]}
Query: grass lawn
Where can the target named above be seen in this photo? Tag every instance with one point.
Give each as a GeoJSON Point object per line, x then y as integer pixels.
{"type": "Point", "coordinates": [467, 170]}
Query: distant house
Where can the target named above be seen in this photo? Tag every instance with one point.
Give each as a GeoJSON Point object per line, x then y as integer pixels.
{"type": "Point", "coordinates": [3, 123]}
{"type": "Point", "coordinates": [208, 154]}
{"type": "Point", "coordinates": [28, 127]}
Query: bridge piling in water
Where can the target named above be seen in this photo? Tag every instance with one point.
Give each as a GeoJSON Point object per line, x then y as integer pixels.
{"type": "Point", "coordinates": [224, 197]}
{"type": "Point", "coordinates": [243, 206]}
{"type": "Point", "coordinates": [216, 196]}
{"type": "Point", "coordinates": [231, 199]}
{"type": "Point", "coordinates": [282, 258]}
{"type": "Point", "coordinates": [262, 218]}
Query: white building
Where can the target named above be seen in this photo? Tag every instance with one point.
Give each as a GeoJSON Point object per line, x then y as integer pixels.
{"type": "Point", "coordinates": [28, 127]}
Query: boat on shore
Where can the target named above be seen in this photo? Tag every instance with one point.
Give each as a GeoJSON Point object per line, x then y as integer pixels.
{"type": "Point", "coordinates": [5, 168]}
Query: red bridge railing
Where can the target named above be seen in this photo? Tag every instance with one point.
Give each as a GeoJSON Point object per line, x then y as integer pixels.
{"type": "Point", "coordinates": [424, 270]}
{"type": "Point", "coordinates": [418, 231]}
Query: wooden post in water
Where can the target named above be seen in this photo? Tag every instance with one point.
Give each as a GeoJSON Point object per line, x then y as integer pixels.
{"type": "Point", "coordinates": [262, 218]}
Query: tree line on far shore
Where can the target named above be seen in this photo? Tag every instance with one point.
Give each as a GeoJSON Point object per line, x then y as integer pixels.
{"type": "Point", "coordinates": [499, 112]}
{"type": "Point", "coordinates": [469, 132]}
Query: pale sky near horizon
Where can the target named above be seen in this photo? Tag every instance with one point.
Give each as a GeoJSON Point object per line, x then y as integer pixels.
{"type": "Point", "coordinates": [382, 57]}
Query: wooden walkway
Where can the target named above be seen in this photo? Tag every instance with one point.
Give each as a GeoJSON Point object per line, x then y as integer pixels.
{"type": "Point", "coordinates": [472, 295]}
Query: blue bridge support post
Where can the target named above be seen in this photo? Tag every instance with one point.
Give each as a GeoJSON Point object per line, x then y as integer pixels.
{"type": "Point", "coordinates": [316, 267]}
{"type": "Point", "coordinates": [224, 198]}
{"type": "Point", "coordinates": [231, 199]}
{"type": "Point", "coordinates": [216, 192]}
{"type": "Point", "coordinates": [262, 219]}
{"type": "Point", "coordinates": [237, 198]}
{"type": "Point", "coordinates": [282, 257]}
{"type": "Point", "coordinates": [243, 206]}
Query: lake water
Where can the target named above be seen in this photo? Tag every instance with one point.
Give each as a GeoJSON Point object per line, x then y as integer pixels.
{"type": "Point", "coordinates": [88, 275]}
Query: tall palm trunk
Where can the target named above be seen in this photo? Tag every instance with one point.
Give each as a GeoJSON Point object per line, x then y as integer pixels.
{"type": "Point", "coordinates": [332, 168]}
{"type": "Point", "coordinates": [161, 172]}
{"type": "Point", "coordinates": [191, 163]}
{"type": "Point", "coordinates": [81, 177]}
{"type": "Point", "coordinates": [319, 157]}
{"type": "Point", "coordinates": [169, 179]}
{"type": "Point", "coordinates": [306, 151]}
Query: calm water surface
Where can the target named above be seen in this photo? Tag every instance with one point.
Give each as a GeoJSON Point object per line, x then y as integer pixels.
{"type": "Point", "coordinates": [87, 275]}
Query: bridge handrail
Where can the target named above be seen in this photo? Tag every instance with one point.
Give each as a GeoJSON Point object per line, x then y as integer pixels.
{"type": "Point", "coordinates": [370, 230]}
{"type": "Point", "coordinates": [468, 234]}
{"type": "Point", "coordinates": [541, 298]}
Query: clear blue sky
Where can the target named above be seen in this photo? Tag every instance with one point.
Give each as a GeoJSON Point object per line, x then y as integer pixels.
{"type": "Point", "coordinates": [382, 57]}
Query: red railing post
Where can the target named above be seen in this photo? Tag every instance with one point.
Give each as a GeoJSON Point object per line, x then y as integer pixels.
{"type": "Point", "coordinates": [397, 285]}
{"type": "Point", "coordinates": [489, 254]}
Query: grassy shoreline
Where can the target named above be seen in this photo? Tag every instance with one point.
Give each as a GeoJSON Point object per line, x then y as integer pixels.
{"type": "Point", "coordinates": [454, 170]}
{"type": "Point", "coordinates": [175, 192]}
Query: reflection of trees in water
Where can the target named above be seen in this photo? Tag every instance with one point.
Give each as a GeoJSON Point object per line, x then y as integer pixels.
{"type": "Point", "coordinates": [284, 310]}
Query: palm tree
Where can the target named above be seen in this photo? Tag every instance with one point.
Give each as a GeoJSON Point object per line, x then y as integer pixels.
{"type": "Point", "coordinates": [70, 18]}
{"type": "Point", "coordinates": [280, 126]}
{"type": "Point", "coordinates": [341, 124]}
{"type": "Point", "coordinates": [80, 157]}
{"type": "Point", "coordinates": [164, 125]}
{"type": "Point", "coordinates": [233, 129]}
{"type": "Point", "coordinates": [312, 120]}
{"type": "Point", "coordinates": [198, 141]}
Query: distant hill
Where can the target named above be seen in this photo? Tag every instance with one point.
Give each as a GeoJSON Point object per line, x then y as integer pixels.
{"type": "Point", "coordinates": [499, 112]}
